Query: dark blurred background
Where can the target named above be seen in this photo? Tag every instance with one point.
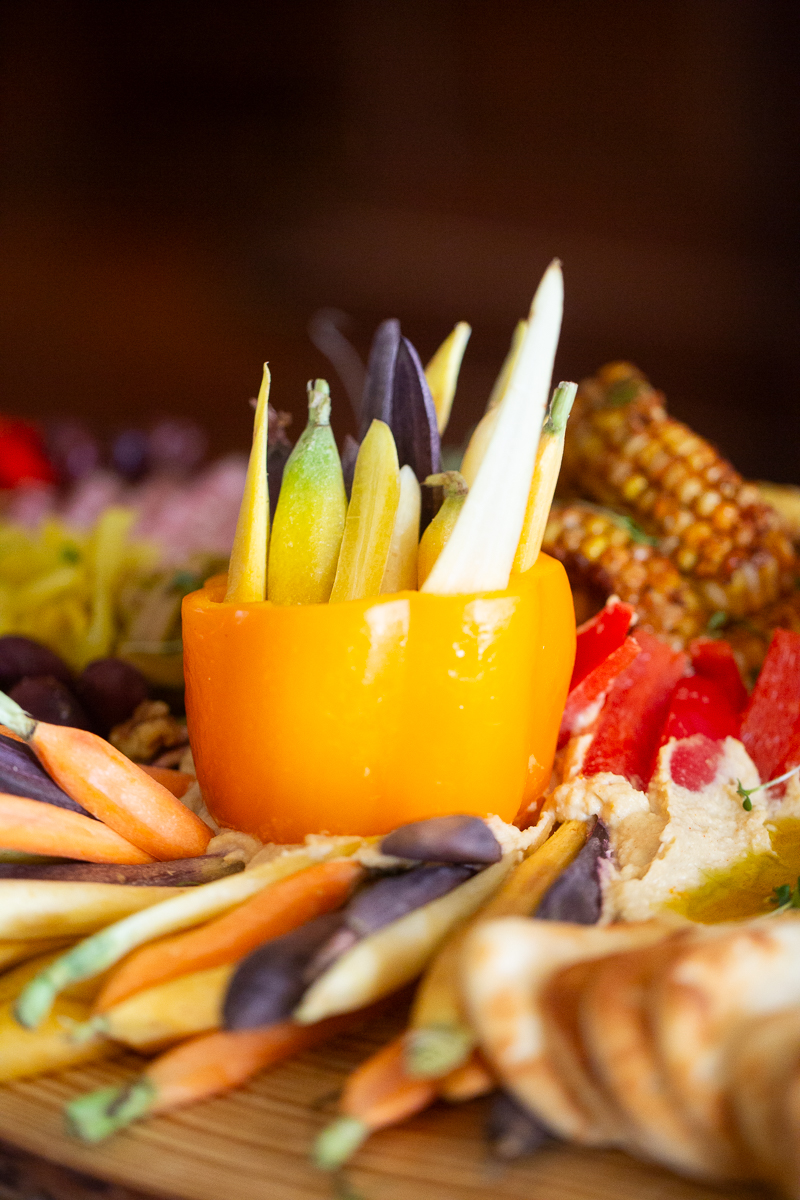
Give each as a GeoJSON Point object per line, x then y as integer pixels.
{"type": "Point", "coordinates": [184, 183]}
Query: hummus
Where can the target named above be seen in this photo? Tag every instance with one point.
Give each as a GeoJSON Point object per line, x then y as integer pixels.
{"type": "Point", "coordinates": [666, 842]}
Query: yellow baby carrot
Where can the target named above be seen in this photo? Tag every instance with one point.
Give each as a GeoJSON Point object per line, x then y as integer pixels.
{"type": "Point", "coordinates": [401, 565]}
{"type": "Point", "coordinates": [545, 476]}
{"type": "Point", "coordinates": [436, 536]}
{"type": "Point", "coordinates": [442, 372]}
{"type": "Point", "coordinates": [370, 517]}
{"type": "Point", "coordinates": [247, 574]}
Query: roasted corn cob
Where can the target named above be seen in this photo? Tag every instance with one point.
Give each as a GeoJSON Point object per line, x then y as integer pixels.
{"type": "Point", "coordinates": [624, 450]}
{"type": "Point", "coordinates": [605, 553]}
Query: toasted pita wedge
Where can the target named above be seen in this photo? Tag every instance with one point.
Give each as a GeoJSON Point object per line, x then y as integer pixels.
{"type": "Point", "coordinates": [701, 1004]}
{"type": "Point", "coordinates": [560, 1002]}
{"type": "Point", "coordinates": [505, 965]}
{"type": "Point", "coordinates": [786, 1169]}
{"type": "Point", "coordinates": [764, 1069]}
{"type": "Point", "coordinates": [613, 1018]}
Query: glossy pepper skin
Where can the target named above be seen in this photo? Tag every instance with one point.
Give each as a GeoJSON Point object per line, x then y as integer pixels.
{"type": "Point", "coordinates": [362, 716]}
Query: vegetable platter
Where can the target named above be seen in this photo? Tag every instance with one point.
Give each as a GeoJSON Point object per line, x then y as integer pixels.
{"type": "Point", "coordinates": [553, 873]}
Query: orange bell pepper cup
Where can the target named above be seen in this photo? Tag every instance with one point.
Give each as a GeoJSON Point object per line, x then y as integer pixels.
{"type": "Point", "coordinates": [362, 716]}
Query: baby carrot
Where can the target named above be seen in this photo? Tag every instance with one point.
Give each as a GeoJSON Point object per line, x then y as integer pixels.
{"type": "Point", "coordinates": [378, 1093]}
{"type": "Point", "coordinates": [310, 515]}
{"type": "Point", "coordinates": [401, 565]}
{"type": "Point", "coordinates": [442, 372]}
{"type": "Point", "coordinates": [370, 517]}
{"type": "Point", "coordinates": [40, 828]}
{"type": "Point", "coordinates": [247, 573]}
{"type": "Point", "coordinates": [278, 909]}
{"type": "Point", "coordinates": [111, 787]}
{"type": "Point", "coordinates": [436, 536]}
{"type": "Point", "coordinates": [545, 476]}
{"type": "Point", "coordinates": [195, 1070]}
{"type": "Point", "coordinates": [177, 782]}
{"type": "Point", "coordinates": [482, 435]}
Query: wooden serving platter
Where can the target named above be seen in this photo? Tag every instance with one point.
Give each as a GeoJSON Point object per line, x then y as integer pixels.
{"type": "Point", "coordinates": [253, 1144]}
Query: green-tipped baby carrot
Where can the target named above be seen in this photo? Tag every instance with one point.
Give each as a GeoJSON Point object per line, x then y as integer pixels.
{"type": "Point", "coordinates": [482, 434]}
{"type": "Point", "coordinates": [481, 549]}
{"type": "Point", "coordinates": [370, 517]}
{"type": "Point", "coordinates": [440, 1038]}
{"type": "Point", "coordinates": [545, 476]}
{"type": "Point", "coordinates": [442, 372]}
{"type": "Point", "coordinates": [309, 518]}
{"type": "Point", "coordinates": [437, 535]}
{"type": "Point", "coordinates": [247, 573]}
{"type": "Point", "coordinates": [96, 954]}
{"type": "Point", "coordinates": [195, 1070]}
{"type": "Point", "coordinates": [379, 1093]}
{"type": "Point", "coordinates": [401, 565]}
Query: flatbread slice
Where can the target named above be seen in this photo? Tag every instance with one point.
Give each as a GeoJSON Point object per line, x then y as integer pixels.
{"type": "Point", "coordinates": [614, 1025]}
{"type": "Point", "coordinates": [505, 964]}
{"type": "Point", "coordinates": [701, 1004]}
{"type": "Point", "coordinates": [560, 1003]}
{"type": "Point", "coordinates": [764, 1070]}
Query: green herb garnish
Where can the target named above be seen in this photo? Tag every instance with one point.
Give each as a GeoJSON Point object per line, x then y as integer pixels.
{"type": "Point", "coordinates": [787, 897]}
{"type": "Point", "coordinates": [716, 621]}
{"type": "Point", "coordinates": [746, 793]}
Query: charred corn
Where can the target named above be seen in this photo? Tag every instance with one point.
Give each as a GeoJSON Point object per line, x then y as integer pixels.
{"type": "Point", "coordinates": [624, 450]}
{"type": "Point", "coordinates": [608, 554]}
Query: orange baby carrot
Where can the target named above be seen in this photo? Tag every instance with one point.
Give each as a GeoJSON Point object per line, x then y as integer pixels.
{"type": "Point", "coordinates": [177, 782]}
{"type": "Point", "coordinates": [37, 828]}
{"type": "Point", "coordinates": [283, 906]}
{"type": "Point", "coordinates": [377, 1094]}
{"type": "Point", "coordinates": [195, 1070]}
{"type": "Point", "coordinates": [111, 787]}
{"type": "Point", "coordinates": [473, 1078]}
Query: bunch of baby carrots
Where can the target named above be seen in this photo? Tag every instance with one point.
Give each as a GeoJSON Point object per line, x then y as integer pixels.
{"type": "Point", "coordinates": [323, 548]}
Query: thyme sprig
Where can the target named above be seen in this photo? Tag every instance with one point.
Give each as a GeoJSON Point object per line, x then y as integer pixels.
{"type": "Point", "coordinates": [746, 793]}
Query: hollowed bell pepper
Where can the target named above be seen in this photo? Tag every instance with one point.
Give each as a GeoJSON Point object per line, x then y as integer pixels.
{"type": "Point", "coordinates": [361, 716]}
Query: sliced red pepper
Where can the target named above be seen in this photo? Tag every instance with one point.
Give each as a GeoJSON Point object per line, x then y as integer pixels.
{"type": "Point", "coordinates": [599, 636]}
{"type": "Point", "coordinates": [629, 730]}
{"type": "Point", "coordinates": [700, 706]}
{"type": "Point", "coordinates": [713, 658]}
{"type": "Point", "coordinates": [772, 717]}
{"type": "Point", "coordinates": [594, 685]}
{"type": "Point", "coordinates": [694, 761]}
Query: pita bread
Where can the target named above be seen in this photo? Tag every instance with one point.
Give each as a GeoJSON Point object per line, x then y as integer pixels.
{"type": "Point", "coordinates": [763, 1094]}
{"type": "Point", "coordinates": [614, 1025]}
{"type": "Point", "coordinates": [560, 1001]}
{"type": "Point", "coordinates": [700, 1005]}
{"type": "Point", "coordinates": [505, 965]}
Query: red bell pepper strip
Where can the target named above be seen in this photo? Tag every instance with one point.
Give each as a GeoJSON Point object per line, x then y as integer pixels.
{"type": "Point", "coordinates": [700, 706]}
{"type": "Point", "coordinates": [713, 659]}
{"type": "Point", "coordinates": [593, 686]}
{"type": "Point", "coordinates": [771, 721]}
{"type": "Point", "coordinates": [630, 725]}
{"type": "Point", "coordinates": [599, 636]}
